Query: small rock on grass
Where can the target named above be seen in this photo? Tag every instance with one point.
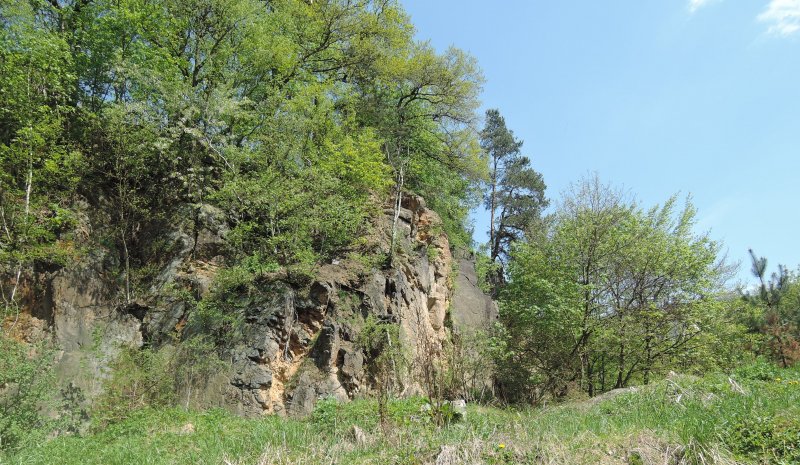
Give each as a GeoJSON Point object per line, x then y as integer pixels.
{"type": "Point", "coordinates": [358, 436]}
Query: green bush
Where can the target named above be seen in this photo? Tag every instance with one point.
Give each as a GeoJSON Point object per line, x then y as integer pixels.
{"type": "Point", "coordinates": [760, 370]}
{"type": "Point", "coordinates": [442, 414]}
{"type": "Point", "coordinates": [25, 388]}
{"type": "Point", "coordinates": [769, 439]}
{"type": "Point", "coordinates": [156, 379]}
{"type": "Point", "coordinates": [139, 378]}
{"type": "Point", "coordinates": [193, 363]}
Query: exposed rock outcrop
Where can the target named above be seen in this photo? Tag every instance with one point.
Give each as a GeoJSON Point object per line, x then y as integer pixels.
{"type": "Point", "coordinates": [302, 345]}
{"type": "Point", "coordinates": [296, 343]}
{"type": "Point", "coordinates": [472, 308]}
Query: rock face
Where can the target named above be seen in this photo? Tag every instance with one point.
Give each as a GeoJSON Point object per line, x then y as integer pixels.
{"type": "Point", "coordinates": [88, 329]}
{"type": "Point", "coordinates": [296, 343]}
{"type": "Point", "coordinates": [73, 308]}
{"type": "Point", "coordinates": [472, 308]}
{"type": "Point", "coordinates": [301, 346]}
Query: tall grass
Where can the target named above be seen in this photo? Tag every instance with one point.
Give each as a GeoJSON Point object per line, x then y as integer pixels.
{"type": "Point", "coordinates": [678, 420]}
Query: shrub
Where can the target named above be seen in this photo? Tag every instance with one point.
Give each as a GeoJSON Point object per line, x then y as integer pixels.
{"type": "Point", "coordinates": [139, 378]}
{"type": "Point", "coordinates": [772, 439]}
{"type": "Point", "coordinates": [193, 363]}
{"type": "Point", "coordinates": [760, 370]}
{"type": "Point", "coordinates": [25, 387]}
{"type": "Point", "coordinates": [332, 415]}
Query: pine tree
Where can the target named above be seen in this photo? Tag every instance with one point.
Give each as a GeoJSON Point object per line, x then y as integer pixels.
{"type": "Point", "coordinates": [515, 194]}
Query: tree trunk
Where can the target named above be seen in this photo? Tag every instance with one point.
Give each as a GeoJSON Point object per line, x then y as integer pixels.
{"type": "Point", "coordinates": [397, 205]}
{"type": "Point", "coordinates": [620, 368]}
{"type": "Point", "coordinates": [492, 206]}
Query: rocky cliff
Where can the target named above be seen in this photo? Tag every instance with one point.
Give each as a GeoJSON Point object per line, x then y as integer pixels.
{"type": "Point", "coordinates": [296, 342]}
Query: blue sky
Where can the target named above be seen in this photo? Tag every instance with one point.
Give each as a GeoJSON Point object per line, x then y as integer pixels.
{"type": "Point", "coordinates": [697, 97]}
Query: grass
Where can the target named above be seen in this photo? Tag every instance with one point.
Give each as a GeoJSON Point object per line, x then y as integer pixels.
{"type": "Point", "coordinates": [749, 417]}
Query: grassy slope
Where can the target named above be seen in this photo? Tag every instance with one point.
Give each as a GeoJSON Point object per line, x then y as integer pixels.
{"type": "Point", "coordinates": [679, 420]}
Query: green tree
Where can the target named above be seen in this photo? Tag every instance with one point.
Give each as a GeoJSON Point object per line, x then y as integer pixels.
{"type": "Point", "coordinates": [607, 294]}
{"type": "Point", "coordinates": [778, 301]}
{"type": "Point", "coordinates": [515, 194]}
{"type": "Point", "coordinates": [519, 201]}
{"type": "Point", "coordinates": [38, 167]}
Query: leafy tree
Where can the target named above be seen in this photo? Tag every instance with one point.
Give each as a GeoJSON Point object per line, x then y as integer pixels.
{"type": "Point", "coordinates": [299, 121]}
{"type": "Point", "coordinates": [38, 167]}
{"type": "Point", "coordinates": [242, 105]}
{"type": "Point", "coordinates": [607, 294]}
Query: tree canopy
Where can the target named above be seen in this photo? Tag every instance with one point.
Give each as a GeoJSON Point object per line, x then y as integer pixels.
{"type": "Point", "coordinates": [606, 294]}
{"type": "Point", "coordinates": [295, 118]}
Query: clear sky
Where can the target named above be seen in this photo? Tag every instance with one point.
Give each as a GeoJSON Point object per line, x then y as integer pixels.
{"type": "Point", "coordinates": [697, 97]}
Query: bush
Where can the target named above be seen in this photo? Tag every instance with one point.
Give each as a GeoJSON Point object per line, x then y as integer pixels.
{"type": "Point", "coordinates": [760, 370]}
{"type": "Point", "coordinates": [139, 378]}
{"type": "Point", "coordinates": [193, 363]}
{"type": "Point", "coordinates": [469, 367]}
{"type": "Point", "coordinates": [25, 388]}
{"type": "Point", "coordinates": [771, 439]}
{"type": "Point", "coordinates": [443, 414]}
{"type": "Point", "coordinates": [155, 379]}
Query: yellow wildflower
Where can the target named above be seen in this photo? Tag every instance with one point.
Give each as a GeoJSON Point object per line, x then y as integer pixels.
{"type": "Point", "coordinates": [501, 446]}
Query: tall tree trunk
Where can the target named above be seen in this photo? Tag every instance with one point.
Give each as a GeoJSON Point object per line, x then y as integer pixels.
{"type": "Point", "coordinates": [621, 367]}
{"type": "Point", "coordinates": [28, 189]}
{"type": "Point", "coordinates": [397, 206]}
{"type": "Point", "coordinates": [603, 373]}
{"type": "Point", "coordinates": [492, 207]}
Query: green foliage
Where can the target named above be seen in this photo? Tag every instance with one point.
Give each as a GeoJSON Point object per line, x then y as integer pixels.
{"type": "Point", "coordinates": [468, 366]}
{"type": "Point", "coordinates": [760, 370]}
{"type": "Point", "coordinates": [388, 360]}
{"type": "Point", "coordinates": [288, 117]}
{"type": "Point", "coordinates": [193, 363]}
{"type": "Point", "coordinates": [442, 414]}
{"type": "Point", "coordinates": [73, 411]}
{"type": "Point", "coordinates": [611, 294]}
{"type": "Point", "coordinates": [335, 416]}
{"type": "Point", "coordinates": [771, 439]}
{"type": "Point", "coordinates": [38, 166]}
{"type": "Point", "coordinates": [486, 268]}
{"type": "Point", "coordinates": [382, 340]}
{"type": "Point", "coordinates": [449, 193]}
{"type": "Point", "coordinates": [139, 378]}
{"type": "Point", "coordinates": [218, 316]}
{"type": "Point", "coordinates": [501, 455]}
{"type": "Point", "coordinates": [26, 382]}
{"type": "Point", "coordinates": [515, 192]}
{"type": "Point", "coordinates": [776, 315]}
{"type": "Point", "coordinates": [143, 378]}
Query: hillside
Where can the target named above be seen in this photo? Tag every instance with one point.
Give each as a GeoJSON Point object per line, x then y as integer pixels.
{"type": "Point", "coordinates": [233, 204]}
{"type": "Point", "coordinates": [246, 231]}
